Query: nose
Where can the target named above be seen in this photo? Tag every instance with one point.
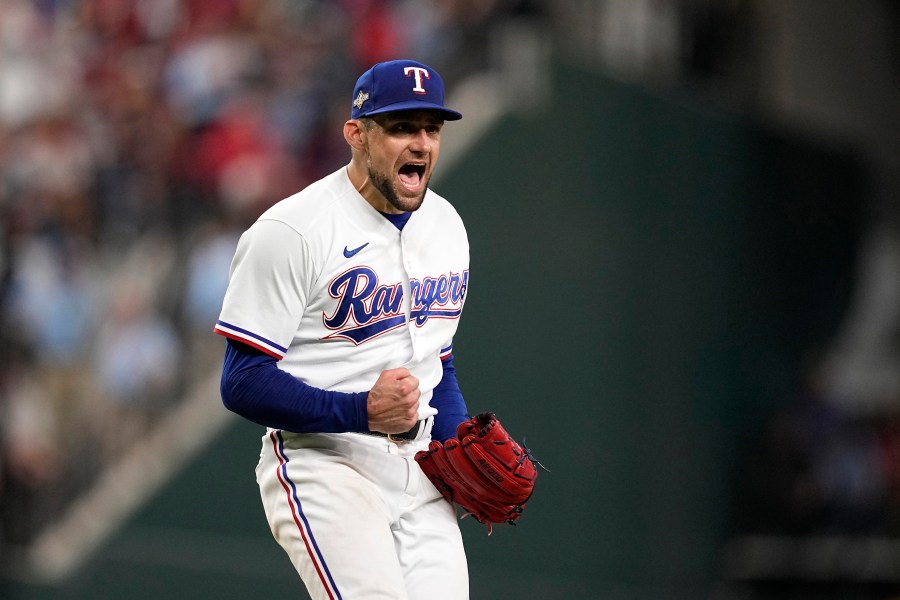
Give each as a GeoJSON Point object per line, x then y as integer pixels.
{"type": "Point", "coordinates": [421, 141]}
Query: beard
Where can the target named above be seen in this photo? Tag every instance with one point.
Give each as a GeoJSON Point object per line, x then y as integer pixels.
{"type": "Point", "coordinates": [383, 184]}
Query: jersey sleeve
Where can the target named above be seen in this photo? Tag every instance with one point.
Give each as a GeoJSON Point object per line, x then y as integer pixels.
{"type": "Point", "coordinates": [268, 288]}
{"type": "Point", "coordinates": [446, 351]}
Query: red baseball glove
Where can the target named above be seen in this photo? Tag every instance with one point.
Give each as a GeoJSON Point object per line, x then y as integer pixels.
{"type": "Point", "coordinates": [482, 469]}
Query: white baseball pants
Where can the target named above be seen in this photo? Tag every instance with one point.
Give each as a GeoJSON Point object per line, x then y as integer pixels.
{"type": "Point", "coordinates": [358, 518]}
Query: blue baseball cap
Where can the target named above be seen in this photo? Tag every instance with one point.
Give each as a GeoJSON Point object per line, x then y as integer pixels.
{"type": "Point", "coordinates": [400, 85]}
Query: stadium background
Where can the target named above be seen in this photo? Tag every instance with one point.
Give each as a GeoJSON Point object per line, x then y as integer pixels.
{"type": "Point", "coordinates": [683, 266]}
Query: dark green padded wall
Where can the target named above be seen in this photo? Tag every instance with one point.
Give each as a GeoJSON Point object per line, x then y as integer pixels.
{"type": "Point", "coordinates": [647, 277]}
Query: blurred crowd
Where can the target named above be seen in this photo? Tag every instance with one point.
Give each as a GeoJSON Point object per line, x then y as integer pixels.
{"type": "Point", "coordinates": [138, 138]}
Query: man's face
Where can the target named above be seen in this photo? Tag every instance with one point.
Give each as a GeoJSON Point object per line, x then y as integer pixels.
{"type": "Point", "coordinates": [403, 148]}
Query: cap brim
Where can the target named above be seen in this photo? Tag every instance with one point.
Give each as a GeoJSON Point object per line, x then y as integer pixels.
{"type": "Point", "coordinates": [446, 113]}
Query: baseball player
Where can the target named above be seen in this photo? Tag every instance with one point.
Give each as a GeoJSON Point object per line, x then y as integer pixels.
{"type": "Point", "coordinates": [339, 317]}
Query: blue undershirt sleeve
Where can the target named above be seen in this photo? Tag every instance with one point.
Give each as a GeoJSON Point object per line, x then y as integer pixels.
{"type": "Point", "coordinates": [449, 402]}
{"type": "Point", "coordinates": [253, 387]}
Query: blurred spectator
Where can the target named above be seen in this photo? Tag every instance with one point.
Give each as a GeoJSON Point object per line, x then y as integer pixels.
{"type": "Point", "coordinates": [206, 279]}
{"type": "Point", "coordinates": [32, 465]}
{"type": "Point", "coordinates": [137, 353]}
{"type": "Point", "coordinates": [209, 66]}
{"type": "Point", "coordinates": [52, 299]}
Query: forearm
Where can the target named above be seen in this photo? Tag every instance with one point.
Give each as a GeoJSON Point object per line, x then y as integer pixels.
{"type": "Point", "coordinates": [447, 398]}
{"type": "Point", "coordinates": [253, 387]}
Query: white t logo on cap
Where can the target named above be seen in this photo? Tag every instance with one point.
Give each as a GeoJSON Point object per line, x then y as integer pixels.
{"type": "Point", "coordinates": [418, 73]}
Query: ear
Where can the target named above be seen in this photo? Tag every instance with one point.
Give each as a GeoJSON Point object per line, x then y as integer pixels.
{"type": "Point", "coordinates": [355, 134]}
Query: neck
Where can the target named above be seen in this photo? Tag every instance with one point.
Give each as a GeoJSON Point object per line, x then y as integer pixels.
{"type": "Point", "coordinates": [359, 189]}
{"type": "Point", "coordinates": [359, 177]}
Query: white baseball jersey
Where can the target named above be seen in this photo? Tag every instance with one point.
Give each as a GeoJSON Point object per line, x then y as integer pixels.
{"type": "Point", "coordinates": [331, 288]}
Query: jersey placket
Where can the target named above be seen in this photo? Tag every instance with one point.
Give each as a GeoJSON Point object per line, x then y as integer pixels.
{"type": "Point", "coordinates": [409, 269]}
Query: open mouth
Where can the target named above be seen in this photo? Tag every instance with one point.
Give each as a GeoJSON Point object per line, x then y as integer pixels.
{"type": "Point", "coordinates": [411, 174]}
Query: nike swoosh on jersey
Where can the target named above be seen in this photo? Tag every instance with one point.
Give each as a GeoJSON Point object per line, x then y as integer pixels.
{"type": "Point", "coordinates": [354, 252]}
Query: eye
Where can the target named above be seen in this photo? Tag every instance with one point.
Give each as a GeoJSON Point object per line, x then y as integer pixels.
{"type": "Point", "coordinates": [411, 128]}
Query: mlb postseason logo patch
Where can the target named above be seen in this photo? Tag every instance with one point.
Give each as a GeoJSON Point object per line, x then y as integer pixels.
{"type": "Point", "coordinates": [360, 99]}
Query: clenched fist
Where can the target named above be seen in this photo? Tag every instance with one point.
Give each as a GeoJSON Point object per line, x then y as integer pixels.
{"type": "Point", "coordinates": [393, 403]}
